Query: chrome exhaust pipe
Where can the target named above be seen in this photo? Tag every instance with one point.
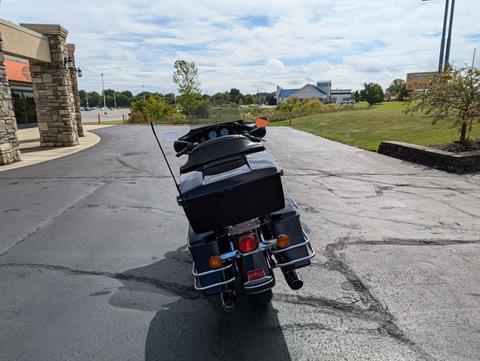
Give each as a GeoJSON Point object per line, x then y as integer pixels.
{"type": "Point", "coordinates": [292, 279]}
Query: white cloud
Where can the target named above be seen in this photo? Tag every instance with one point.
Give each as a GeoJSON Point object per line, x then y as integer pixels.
{"type": "Point", "coordinates": [276, 65]}
{"type": "Point", "coordinates": [254, 45]}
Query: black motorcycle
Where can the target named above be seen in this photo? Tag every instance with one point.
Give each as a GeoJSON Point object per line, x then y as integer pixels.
{"type": "Point", "coordinates": [242, 224]}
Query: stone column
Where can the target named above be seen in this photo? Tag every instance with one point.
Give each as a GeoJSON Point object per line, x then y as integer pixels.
{"type": "Point", "coordinates": [52, 89]}
{"type": "Point", "coordinates": [9, 145]}
{"type": "Point", "coordinates": [76, 95]}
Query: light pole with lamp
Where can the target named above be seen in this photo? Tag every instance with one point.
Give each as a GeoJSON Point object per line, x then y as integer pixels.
{"type": "Point", "coordinates": [103, 93]}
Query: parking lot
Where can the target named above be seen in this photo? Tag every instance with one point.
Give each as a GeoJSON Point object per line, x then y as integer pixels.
{"type": "Point", "coordinates": [94, 264]}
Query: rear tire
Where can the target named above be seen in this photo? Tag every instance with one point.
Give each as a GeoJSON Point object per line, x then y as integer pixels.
{"type": "Point", "coordinates": [262, 299]}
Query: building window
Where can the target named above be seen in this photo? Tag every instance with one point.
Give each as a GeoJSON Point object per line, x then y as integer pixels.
{"type": "Point", "coordinates": [24, 105]}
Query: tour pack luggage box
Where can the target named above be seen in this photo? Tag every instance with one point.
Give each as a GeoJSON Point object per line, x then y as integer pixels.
{"type": "Point", "coordinates": [287, 221]}
{"type": "Point", "coordinates": [251, 189]}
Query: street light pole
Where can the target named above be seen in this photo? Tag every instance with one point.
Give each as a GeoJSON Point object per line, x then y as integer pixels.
{"type": "Point", "coordinates": [442, 44]}
{"type": "Point", "coordinates": [447, 51]}
{"type": "Point", "coordinates": [103, 92]}
{"type": "Point", "coordinates": [114, 100]}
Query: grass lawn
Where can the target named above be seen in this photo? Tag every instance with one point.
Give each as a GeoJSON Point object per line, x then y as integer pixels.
{"type": "Point", "coordinates": [366, 127]}
{"type": "Point", "coordinates": [105, 122]}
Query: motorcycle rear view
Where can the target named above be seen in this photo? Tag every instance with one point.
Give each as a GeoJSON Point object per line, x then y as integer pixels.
{"type": "Point", "coordinates": [242, 224]}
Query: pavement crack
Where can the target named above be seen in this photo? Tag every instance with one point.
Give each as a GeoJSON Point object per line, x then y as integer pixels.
{"type": "Point", "coordinates": [176, 289]}
{"type": "Point", "coordinates": [414, 242]}
{"type": "Point", "coordinates": [375, 309]}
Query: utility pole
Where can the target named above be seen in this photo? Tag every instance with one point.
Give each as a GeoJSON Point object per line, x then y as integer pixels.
{"type": "Point", "coordinates": [103, 92]}
{"type": "Point", "coordinates": [447, 51]}
{"type": "Point", "coordinates": [114, 100]}
{"type": "Point", "coordinates": [86, 97]}
{"type": "Point", "coordinates": [473, 60]}
{"type": "Point", "coordinates": [442, 44]}
{"type": "Point", "coordinates": [143, 86]}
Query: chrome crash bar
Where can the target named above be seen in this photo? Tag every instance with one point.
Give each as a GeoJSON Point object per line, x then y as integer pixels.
{"type": "Point", "coordinates": [264, 245]}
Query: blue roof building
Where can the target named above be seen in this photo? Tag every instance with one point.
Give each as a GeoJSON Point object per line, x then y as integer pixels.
{"type": "Point", "coordinates": [322, 91]}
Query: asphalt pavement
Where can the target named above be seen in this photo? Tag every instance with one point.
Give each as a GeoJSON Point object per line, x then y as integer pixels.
{"type": "Point", "coordinates": [94, 265]}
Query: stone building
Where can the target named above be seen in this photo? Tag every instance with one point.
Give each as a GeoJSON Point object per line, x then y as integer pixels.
{"type": "Point", "coordinates": [54, 83]}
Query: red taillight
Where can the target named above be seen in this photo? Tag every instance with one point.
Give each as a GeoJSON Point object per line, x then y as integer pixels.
{"type": "Point", "coordinates": [255, 274]}
{"type": "Point", "coordinates": [247, 242]}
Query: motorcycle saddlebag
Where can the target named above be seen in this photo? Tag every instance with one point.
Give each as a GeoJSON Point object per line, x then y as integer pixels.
{"type": "Point", "coordinates": [202, 246]}
{"type": "Point", "coordinates": [249, 189]}
{"type": "Point", "coordinates": [287, 221]}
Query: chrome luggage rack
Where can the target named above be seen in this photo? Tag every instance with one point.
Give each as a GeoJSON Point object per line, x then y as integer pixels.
{"type": "Point", "coordinates": [264, 245]}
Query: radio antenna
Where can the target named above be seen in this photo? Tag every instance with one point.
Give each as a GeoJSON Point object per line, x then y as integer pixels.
{"type": "Point", "coordinates": [166, 161]}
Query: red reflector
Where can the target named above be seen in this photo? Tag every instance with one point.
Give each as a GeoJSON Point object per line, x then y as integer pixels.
{"type": "Point", "coordinates": [247, 243]}
{"type": "Point", "coordinates": [255, 274]}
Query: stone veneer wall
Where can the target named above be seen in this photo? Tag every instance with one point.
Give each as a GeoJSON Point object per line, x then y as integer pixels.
{"type": "Point", "coordinates": [52, 87]}
{"type": "Point", "coordinates": [9, 145]}
{"type": "Point", "coordinates": [465, 162]}
{"type": "Point", "coordinates": [76, 95]}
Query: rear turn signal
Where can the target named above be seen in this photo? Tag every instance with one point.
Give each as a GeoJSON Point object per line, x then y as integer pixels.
{"type": "Point", "coordinates": [215, 262]}
{"type": "Point", "coordinates": [247, 242]}
{"type": "Point", "coordinates": [283, 241]}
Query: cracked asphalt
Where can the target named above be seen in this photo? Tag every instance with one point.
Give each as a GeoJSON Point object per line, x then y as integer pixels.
{"type": "Point", "coordinates": [93, 264]}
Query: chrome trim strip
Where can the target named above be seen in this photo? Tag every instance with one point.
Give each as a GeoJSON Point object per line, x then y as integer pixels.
{"type": "Point", "coordinates": [198, 288]}
{"type": "Point", "coordinates": [269, 280]}
{"type": "Point", "coordinates": [284, 264]}
{"type": "Point", "coordinates": [291, 247]}
{"type": "Point", "coordinates": [195, 274]}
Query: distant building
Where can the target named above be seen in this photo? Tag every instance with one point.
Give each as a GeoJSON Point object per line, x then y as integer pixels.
{"type": "Point", "coordinates": [322, 91]}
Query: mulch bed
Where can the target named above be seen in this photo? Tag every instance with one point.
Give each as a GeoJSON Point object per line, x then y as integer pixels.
{"type": "Point", "coordinates": [457, 147]}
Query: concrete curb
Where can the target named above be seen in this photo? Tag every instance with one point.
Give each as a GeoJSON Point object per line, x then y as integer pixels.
{"type": "Point", "coordinates": [39, 155]}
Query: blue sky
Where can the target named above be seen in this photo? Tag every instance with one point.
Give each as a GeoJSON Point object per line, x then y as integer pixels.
{"type": "Point", "coordinates": [254, 45]}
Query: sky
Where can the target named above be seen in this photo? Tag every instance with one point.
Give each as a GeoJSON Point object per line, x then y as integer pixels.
{"type": "Point", "coordinates": [254, 45]}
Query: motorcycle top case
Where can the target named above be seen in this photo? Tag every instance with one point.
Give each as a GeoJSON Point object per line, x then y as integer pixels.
{"type": "Point", "coordinates": [231, 191]}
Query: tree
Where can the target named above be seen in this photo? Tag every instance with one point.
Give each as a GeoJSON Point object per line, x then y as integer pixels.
{"type": "Point", "coordinates": [201, 109]}
{"type": "Point", "coordinates": [290, 106]}
{"type": "Point", "coordinates": [185, 77]}
{"type": "Point", "coordinates": [235, 95]}
{"type": "Point", "coordinates": [372, 93]}
{"type": "Point", "coordinates": [154, 109]}
{"type": "Point", "coordinates": [356, 96]}
{"type": "Point", "coordinates": [398, 88]}
{"type": "Point", "coordinates": [250, 99]}
{"type": "Point", "coordinates": [453, 96]}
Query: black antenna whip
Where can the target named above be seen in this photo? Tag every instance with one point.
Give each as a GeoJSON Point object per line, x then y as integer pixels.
{"type": "Point", "coordinates": [166, 161]}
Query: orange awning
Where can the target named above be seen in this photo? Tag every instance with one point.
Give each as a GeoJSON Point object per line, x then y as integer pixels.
{"type": "Point", "coordinates": [17, 71]}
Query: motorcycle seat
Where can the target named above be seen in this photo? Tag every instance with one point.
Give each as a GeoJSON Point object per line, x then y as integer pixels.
{"type": "Point", "coordinates": [219, 148]}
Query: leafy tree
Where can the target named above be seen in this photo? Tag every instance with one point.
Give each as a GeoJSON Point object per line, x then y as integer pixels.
{"type": "Point", "coordinates": [270, 98]}
{"type": "Point", "coordinates": [290, 106]}
{"type": "Point", "coordinates": [127, 93]}
{"type": "Point", "coordinates": [398, 88]}
{"type": "Point", "coordinates": [372, 93]}
{"type": "Point", "coordinates": [201, 110]}
{"type": "Point", "coordinates": [250, 99]}
{"type": "Point", "coordinates": [185, 76]}
{"type": "Point", "coordinates": [170, 98]}
{"type": "Point", "coordinates": [154, 109]}
{"type": "Point", "coordinates": [357, 97]}
{"type": "Point", "coordinates": [235, 95]}
{"type": "Point", "coordinates": [453, 96]}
